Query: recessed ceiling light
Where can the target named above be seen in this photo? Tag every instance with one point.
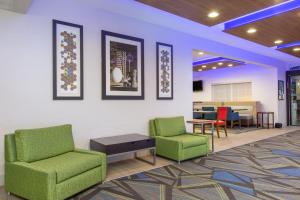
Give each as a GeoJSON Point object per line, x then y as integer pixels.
{"type": "Point", "coordinates": [203, 66]}
{"type": "Point", "coordinates": [200, 53]}
{"type": "Point", "coordinates": [214, 67]}
{"type": "Point", "coordinates": [230, 65]}
{"type": "Point", "coordinates": [199, 70]}
{"type": "Point", "coordinates": [296, 49]}
{"type": "Point", "coordinates": [220, 63]}
{"type": "Point", "coordinates": [213, 14]}
{"type": "Point", "coordinates": [251, 30]}
{"type": "Point", "coordinates": [278, 41]}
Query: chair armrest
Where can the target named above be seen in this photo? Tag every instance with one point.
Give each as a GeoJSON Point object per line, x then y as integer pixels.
{"type": "Point", "coordinates": [31, 182]}
{"type": "Point", "coordinates": [202, 135]}
{"type": "Point", "coordinates": [168, 147]}
{"type": "Point", "coordinates": [168, 141]}
{"type": "Point", "coordinates": [207, 137]}
{"type": "Point", "coordinates": [103, 159]}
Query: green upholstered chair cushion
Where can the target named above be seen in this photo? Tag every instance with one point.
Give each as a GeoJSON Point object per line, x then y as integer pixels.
{"type": "Point", "coordinates": [168, 127]}
{"type": "Point", "coordinates": [37, 144]}
{"type": "Point", "coordinates": [190, 140]}
{"type": "Point", "coordinates": [69, 164]}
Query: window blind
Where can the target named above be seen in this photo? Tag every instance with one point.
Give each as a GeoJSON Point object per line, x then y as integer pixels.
{"type": "Point", "coordinates": [232, 92]}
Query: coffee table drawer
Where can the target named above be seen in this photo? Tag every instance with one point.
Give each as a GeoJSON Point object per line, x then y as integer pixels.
{"type": "Point", "coordinates": [116, 145]}
{"type": "Point", "coordinates": [129, 146]}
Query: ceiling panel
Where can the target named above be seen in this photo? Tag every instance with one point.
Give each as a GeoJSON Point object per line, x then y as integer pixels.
{"type": "Point", "coordinates": [209, 66]}
{"type": "Point", "coordinates": [279, 27]}
{"type": "Point", "coordinates": [197, 10]}
{"type": "Point", "coordinates": [201, 56]}
{"type": "Point", "coordinates": [20, 6]}
{"type": "Point", "coordinates": [291, 52]}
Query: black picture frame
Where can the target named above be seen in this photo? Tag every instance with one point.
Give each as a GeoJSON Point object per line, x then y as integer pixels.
{"type": "Point", "coordinates": [159, 96]}
{"type": "Point", "coordinates": [113, 38]}
{"type": "Point", "coordinates": [56, 66]}
{"type": "Point", "coordinates": [281, 90]}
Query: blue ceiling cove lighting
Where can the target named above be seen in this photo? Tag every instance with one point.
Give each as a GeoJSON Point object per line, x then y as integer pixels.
{"type": "Point", "coordinates": [262, 14]}
{"type": "Point", "coordinates": [288, 45]}
{"type": "Point", "coordinates": [218, 59]}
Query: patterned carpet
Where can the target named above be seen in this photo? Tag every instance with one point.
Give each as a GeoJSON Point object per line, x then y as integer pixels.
{"type": "Point", "coordinates": [267, 169]}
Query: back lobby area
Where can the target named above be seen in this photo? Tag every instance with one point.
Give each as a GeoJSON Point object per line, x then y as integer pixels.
{"type": "Point", "coordinates": [149, 99]}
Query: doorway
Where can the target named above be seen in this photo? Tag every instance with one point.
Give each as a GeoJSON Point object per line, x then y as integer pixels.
{"type": "Point", "coordinates": [293, 97]}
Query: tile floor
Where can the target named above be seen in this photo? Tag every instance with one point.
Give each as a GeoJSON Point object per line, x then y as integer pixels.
{"type": "Point", "coordinates": [132, 166]}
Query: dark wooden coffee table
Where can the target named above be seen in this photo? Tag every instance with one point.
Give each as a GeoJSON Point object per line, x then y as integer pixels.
{"type": "Point", "coordinates": [130, 143]}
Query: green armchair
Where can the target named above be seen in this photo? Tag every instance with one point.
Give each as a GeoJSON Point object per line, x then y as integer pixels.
{"type": "Point", "coordinates": [172, 140]}
{"type": "Point", "coordinates": [43, 164]}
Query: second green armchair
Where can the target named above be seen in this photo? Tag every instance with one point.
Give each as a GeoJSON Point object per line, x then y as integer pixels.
{"type": "Point", "coordinates": [173, 141]}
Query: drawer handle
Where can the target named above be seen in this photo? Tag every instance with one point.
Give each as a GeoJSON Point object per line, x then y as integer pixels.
{"type": "Point", "coordinates": [132, 142]}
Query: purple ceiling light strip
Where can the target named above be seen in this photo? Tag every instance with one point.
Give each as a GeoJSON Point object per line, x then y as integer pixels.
{"type": "Point", "coordinates": [218, 59]}
{"type": "Point", "coordinates": [262, 14]}
{"type": "Point", "coordinates": [288, 45]}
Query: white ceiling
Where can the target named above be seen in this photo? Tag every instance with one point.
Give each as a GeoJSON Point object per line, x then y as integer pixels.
{"type": "Point", "coordinates": [19, 6]}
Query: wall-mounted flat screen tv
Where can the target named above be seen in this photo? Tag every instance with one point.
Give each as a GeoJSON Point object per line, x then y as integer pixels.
{"type": "Point", "coordinates": [197, 85]}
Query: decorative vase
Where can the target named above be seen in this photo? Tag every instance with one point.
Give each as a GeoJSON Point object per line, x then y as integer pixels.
{"type": "Point", "coordinates": [117, 75]}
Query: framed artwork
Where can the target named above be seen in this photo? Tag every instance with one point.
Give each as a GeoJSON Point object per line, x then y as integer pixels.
{"type": "Point", "coordinates": [280, 90]}
{"type": "Point", "coordinates": [122, 67]}
{"type": "Point", "coordinates": [164, 62]}
{"type": "Point", "coordinates": [67, 61]}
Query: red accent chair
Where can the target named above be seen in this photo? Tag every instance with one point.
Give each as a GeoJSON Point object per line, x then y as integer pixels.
{"type": "Point", "coordinates": [221, 120]}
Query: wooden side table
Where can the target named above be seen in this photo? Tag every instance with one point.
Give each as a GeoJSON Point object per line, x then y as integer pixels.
{"type": "Point", "coordinates": [262, 114]}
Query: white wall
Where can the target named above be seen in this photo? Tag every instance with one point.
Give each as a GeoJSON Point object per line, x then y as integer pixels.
{"type": "Point", "coordinates": [264, 85]}
{"type": "Point", "coordinates": [26, 72]}
{"type": "Point", "coordinates": [26, 76]}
